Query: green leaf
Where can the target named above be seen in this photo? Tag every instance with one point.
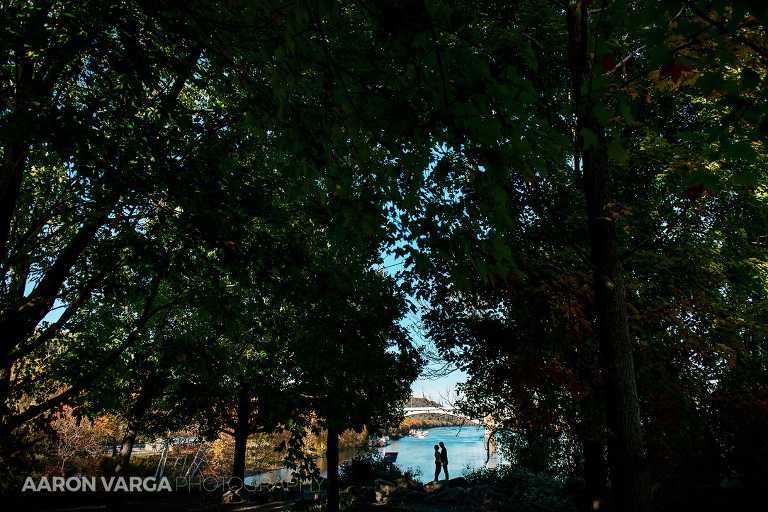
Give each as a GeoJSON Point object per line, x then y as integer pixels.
{"type": "Point", "coordinates": [659, 56]}
{"type": "Point", "coordinates": [739, 150]}
{"type": "Point", "coordinates": [617, 151]}
{"type": "Point", "coordinates": [530, 58]}
{"type": "Point", "coordinates": [745, 178]}
{"type": "Point", "coordinates": [626, 113]}
{"type": "Point", "coordinates": [500, 249]}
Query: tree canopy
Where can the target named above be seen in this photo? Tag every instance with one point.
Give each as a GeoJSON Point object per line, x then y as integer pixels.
{"type": "Point", "coordinates": [577, 186]}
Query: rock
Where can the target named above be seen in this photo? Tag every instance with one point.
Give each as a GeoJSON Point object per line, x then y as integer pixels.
{"type": "Point", "coordinates": [458, 482]}
{"type": "Point", "coordinates": [384, 487]}
{"type": "Point", "coordinates": [213, 497]}
{"type": "Point", "coordinates": [261, 497]}
{"type": "Point", "coordinates": [399, 495]}
{"type": "Point", "coordinates": [384, 494]}
{"type": "Point", "coordinates": [408, 484]}
{"type": "Point", "coordinates": [434, 487]}
{"type": "Point", "coordinates": [231, 497]}
{"type": "Point", "coordinates": [354, 502]}
{"type": "Point", "coordinates": [354, 490]}
{"type": "Point", "coordinates": [454, 494]}
{"type": "Point", "coordinates": [244, 494]}
{"type": "Point", "coordinates": [292, 488]}
{"type": "Point", "coordinates": [403, 482]}
{"type": "Point", "coordinates": [416, 495]}
{"type": "Point", "coordinates": [276, 493]}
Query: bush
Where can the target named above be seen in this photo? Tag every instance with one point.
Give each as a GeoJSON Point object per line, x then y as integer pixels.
{"type": "Point", "coordinates": [549, 450]}
{"type": "Point", "coordinates": [364, 468]}
{"type": "Point", "coordinates": [533, 493]}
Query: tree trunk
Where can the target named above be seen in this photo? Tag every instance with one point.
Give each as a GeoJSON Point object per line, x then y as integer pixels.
{"type": "Point", "coordinates": [535, 458]}
{"type": "Point", "coordinates": [241, 433]}
{"type": "Point", "coordinates": [138, 408]}
{"type": "Point", "coordinates": [626, 453]}
{"type": "Point", "coordinates": [595, 475]}
{"type": "Point", "coordinates": [332, 457]}
{"type": "Point", "coordinates": [12, 167]}
{"type": "Point", "coordinates": [592, 439]}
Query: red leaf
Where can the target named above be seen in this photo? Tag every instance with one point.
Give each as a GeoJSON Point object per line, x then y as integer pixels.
{"type": "Point", "coordinates": [530, 178]}
{"type": "Point", "coordinates": [608, 63]}
{"type": "Point", "coordinates": [695, 191]}
{"type": "Point", "coordinates": [674, 71]}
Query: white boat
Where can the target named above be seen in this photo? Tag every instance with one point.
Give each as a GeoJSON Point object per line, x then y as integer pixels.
{"type": "Point", "coordinates": [421, 434]}
{"type": "Point", "coordinates": [379, 441]}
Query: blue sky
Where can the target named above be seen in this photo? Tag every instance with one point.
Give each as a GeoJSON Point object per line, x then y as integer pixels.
{"type": "Point", "coordinates": [438, 389]}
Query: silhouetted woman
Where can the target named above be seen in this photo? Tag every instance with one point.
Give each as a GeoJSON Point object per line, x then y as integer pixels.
{"type": "Point", "coordinates": [437, 463]}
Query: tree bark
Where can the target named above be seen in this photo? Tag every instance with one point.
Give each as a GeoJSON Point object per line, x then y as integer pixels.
{"type": "Point", "coordinates": [592, 439]}
{"type": "Point", "coordinates": [241, 433]}
{"type": "Point", "coordinates": [135, 416]}
{"type": "Point", "coordinates": [626, 453]}
{"type": "Point", "coordinates": [332, 457]}
{"type": "Point", "coordinates": [14, 162]}
{"type": "Point", "coordinates": [595, 474]}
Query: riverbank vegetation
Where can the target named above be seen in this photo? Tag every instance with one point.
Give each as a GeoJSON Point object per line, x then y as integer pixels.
{"type": "Point", "coordinates": [196, 197]}
{"type": "Point", "coordinates": [89, 447]}
{"type": "Point", "coordinates": [426, 421]}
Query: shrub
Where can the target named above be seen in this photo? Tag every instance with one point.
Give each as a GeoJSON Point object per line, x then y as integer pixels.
{"type": "Point", "coordinates": [364, 468]}
{"type": "Point", "coordinates": [533, 493]}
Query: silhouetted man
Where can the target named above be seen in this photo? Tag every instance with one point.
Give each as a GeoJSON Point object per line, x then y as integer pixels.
{"type": "Point", "coordinates": [443, 460]}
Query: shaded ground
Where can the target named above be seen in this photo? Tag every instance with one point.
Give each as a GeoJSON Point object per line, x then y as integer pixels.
{"type": "Point", "coordinates": [159, 502]}
{"type": "Point", "coordinates": [175, 502]}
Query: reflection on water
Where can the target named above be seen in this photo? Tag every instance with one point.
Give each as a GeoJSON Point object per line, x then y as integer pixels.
{"type": "Point", "coordinates": [465, 445]}
{"type": "Point", "coordinates": [286, 474]}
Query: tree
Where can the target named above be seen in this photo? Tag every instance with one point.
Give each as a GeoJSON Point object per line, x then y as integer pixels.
{"type": "Point", "coordinates": [77, 181]}
{"type": "Point", "coordinates": [357, 362]}
{"type": "Point", "coordinates": [411, 121]}
{"type": "Point", "coordinates": [592, 157]}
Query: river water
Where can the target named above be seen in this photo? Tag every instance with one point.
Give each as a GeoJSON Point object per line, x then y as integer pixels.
{"type": "Point", "coordinates": [465, 445]}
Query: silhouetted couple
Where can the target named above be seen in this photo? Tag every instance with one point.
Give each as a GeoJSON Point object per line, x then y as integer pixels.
{"type": "Point", "coordinates": [441, 460]}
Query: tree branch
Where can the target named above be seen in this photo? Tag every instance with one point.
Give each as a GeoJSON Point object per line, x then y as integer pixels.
{"type": "Point", "coordinates": [18, 323]}
{"type": "Point", "coordinates": [10, 424]}
{"type": "Point", "coordinates": [723, 28]}
{"type": "Point", "coordinates": [656, 234]}
{"type": "Point", "coordinates": [71, 309]}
